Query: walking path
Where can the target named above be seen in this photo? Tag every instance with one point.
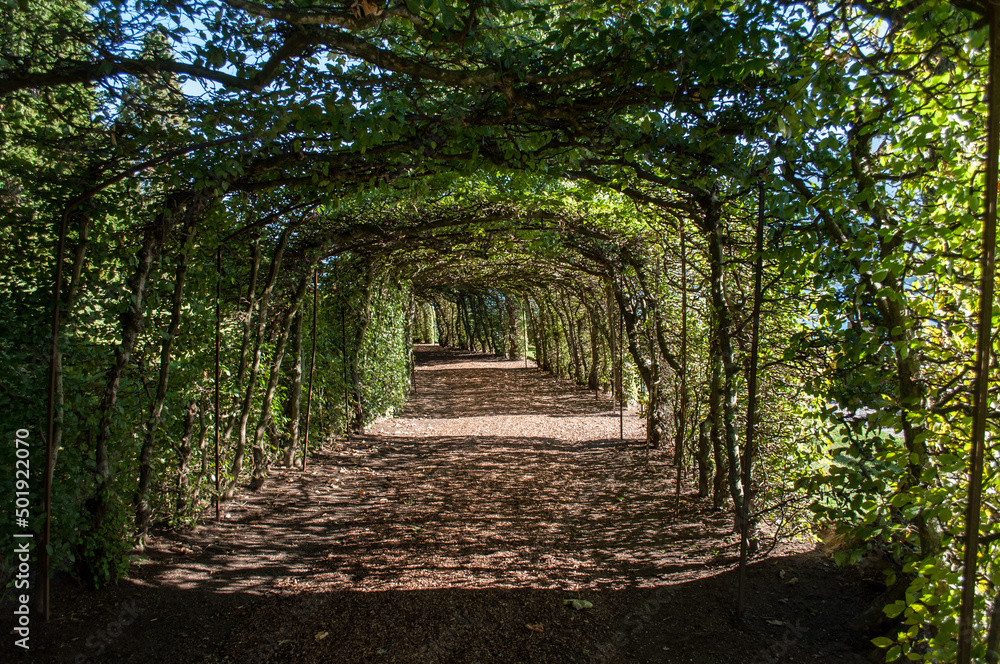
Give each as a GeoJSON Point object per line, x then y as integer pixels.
{"type": "Point", "coordinates": [458, 532]}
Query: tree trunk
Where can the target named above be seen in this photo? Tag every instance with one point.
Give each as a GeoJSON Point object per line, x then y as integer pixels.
{"type": "Point", "coordinates": [542, 337]}
{"type": "Point", "coordinates": [711, 208]}
{"type": "Point", "coordinates": [90, 562]}
{"type": "Point", "coordinates": [360, 414]}
{"type": "Point", "coordinates": [993, 637]}
{"type": "Point", "coordinates": [466, 326]}
{"type": "Point", "coordinates": [613, 342]}
{"type": "Point", "coordinates": [514, 336]}
{"type": "Point", "coordinates": [475, 344]}
{"type": "Point", "coordinates": [453, 323]}
{"type": "Point", "coordinates": [572, 342]}
{"type": "Point", "coordinates": [251, 302]}
{"type": "Point", "coordinates": [747, 547]}
{"type": "Point", "coordinates": [593, 377]}
{"type": "Point", "coordinates": [79, 254]}
{"type": "Point", "coordinates": [294, 400]}
{"type": "Point", "coordinates": [444, 338]}
{"type": "Point", "coordinates": [566, 318]}
{"type": "Point", "coordinates": [649, 369]}
{"type": "Point", "coordinates": [485, 324]}
{"type": "Point", "coordinates": [184, 457]}
{"type": "Point", "coordinates": [682, 410]}
{"type": "Point", "coordinates": [202, 446]}
{"type": "Point", "coordinates": [630, 334]}
{"type": "Point", "coordinates": [654, 418]}
{"type": "Point", "coordinates": [260, 458]}
{"type": "Point", "coordinates": [715, 417]}
{"type": "Point", "coordinates": [262, 310]}
{"type": "Point", "coordinates": [247, 327]}
{"type": "Point", "coordinates": [141, 499]}
{"type": "Point", "coordinates": [652, 306]}
{"type": "Point", "coordinates": [546, 329]}
{"type": "Point", "coordinates": [411, 360]}
{"type": "Point", "coordinates": [497, 328]}
{"type": "Point", "coordinates": [557, 335]}
{"type": "Point", "coordinates": [704, 458]}
{"type": "Point", "coordinates": [479, 325]}
{"type": "Point", "coordinates": [534, 333]}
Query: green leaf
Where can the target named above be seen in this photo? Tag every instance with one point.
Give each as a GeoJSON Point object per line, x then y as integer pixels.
{"type": "Point", "coordinates": [894, 609]}
{"type": "Point", "coordinates": [901, 499]}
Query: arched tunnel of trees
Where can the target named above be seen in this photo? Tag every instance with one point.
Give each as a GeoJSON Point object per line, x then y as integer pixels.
{"type": "Point", "coordinates": [764, 228]}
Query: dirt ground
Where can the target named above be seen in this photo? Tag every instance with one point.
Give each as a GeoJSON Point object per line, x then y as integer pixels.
{"type": "Point", "coordinates": [461, 531]}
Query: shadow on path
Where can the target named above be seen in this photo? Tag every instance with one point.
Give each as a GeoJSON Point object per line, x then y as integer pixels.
{"type": "Point", "coordinates": [456, 533]}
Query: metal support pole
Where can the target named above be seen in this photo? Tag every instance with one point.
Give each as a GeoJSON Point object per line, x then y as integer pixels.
{"type": "Point", "coordinates": [218, 372]}
{"type": "Point", "coordinates": [621, 369]}
{"type": "Point", "coordinates": [966, 618]}
{"type": "Point", "coordinates": [343, 355]}
{"type": "Point", "coordinates": [312, 368]}
{"type": "Point", "coordinates": [51, 415]}
{"type": "Point", "coordinates": [524, 325]}
{"type": "Point", "coordinates": [682, 424]}
{"type": "Point", "coordinates": [748, 445]}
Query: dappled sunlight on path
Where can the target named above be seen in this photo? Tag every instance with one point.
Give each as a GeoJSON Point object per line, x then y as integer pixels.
{"type": "Point", "coordinates": [457, 532]}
